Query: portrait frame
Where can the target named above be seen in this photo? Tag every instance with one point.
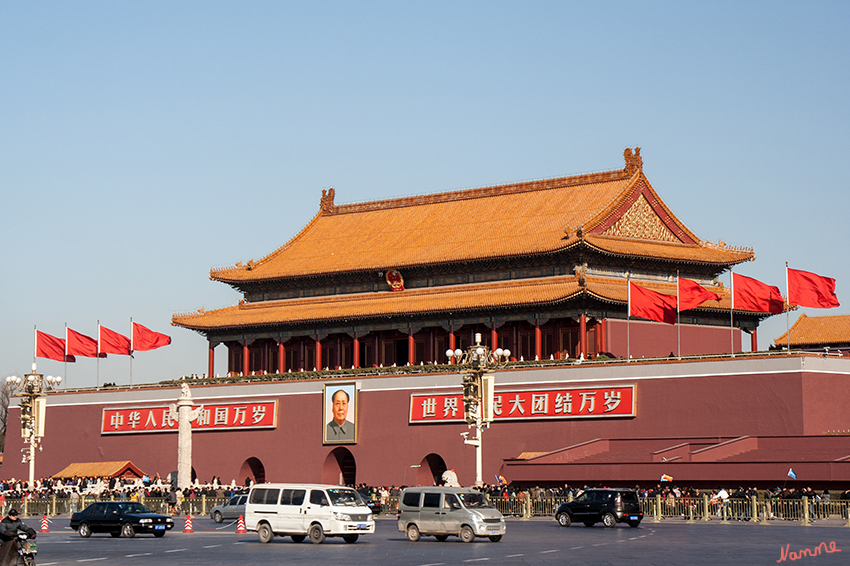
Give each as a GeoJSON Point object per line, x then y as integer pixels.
{"type": "Point", "coordinates": [328, 430]}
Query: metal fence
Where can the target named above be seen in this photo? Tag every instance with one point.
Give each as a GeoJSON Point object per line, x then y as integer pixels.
{"type": "Point", "coordinates": [526, 505]}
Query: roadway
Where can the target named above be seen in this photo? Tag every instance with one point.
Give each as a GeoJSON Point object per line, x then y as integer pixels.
{"type": "Point", "coordinates": [536, 542]}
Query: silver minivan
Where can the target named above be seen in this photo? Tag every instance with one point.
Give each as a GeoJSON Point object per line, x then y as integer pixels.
{"type": "Point", "coordinates": [307, 510]}
{"type": "Point", "coordinates": [448, 511]}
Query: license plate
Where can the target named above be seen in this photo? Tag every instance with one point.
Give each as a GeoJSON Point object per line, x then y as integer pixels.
{"type": "Point", "coordinates": [494, 529]}
{"type": "Point", "coordinates": [159, 527]}
{"type": "Point", "coordinates": [363, 527]}
{"type": "Point", "coordinates": [633, 518]}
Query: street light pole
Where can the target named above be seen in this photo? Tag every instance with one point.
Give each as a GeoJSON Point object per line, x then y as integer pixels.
{"type": "Point", "coordinates": [32, 388]}
{"type": "Point", "coordinates": [478, 381]}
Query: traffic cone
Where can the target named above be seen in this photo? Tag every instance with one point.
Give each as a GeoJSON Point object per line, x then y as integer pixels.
{"type": "Point", "coordinates": [44, 528]}
{"type": "Point", "coordinates": [187, 528]}
{"type": "Point", "coordinates": [240, 526]}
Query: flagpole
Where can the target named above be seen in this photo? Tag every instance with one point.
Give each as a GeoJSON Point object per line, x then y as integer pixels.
{"type": "Point", "coordinates": [678, 323]}
{"type": "Point", "coordinates": [628, 317]}
{"type": "Point", "coordinates": [35, 343]}
{"type": "Point", "coordinates": [65, 360]}
{"type": "Point", "coordinates": [787, 309]}
{"type": "Point", "coordinates": [731, 313]}
{"type": "Point", "coordinates": [97, 357]}
{"type": "Point", "coordinates": [131, 351]}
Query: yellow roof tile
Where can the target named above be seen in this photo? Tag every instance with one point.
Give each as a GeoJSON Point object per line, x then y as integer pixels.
{"type": "Point", "coordinates": [818, 331]}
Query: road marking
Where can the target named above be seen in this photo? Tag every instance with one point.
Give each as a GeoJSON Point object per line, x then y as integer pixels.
{"type": "Point", "coordinates": [548, 551]}
{"type": "Point", "coordinates": [91, 559]}
{"type": "Point", "coordinates": [135, 555]}
{"type": "Point", "coordinates": [434, 564]}
{"type": "Point", "coordinates": [238, 543]}
{"type": "Point", "coordinates": [477, 560]}
{"type": "Point", "coordinates": [514, 555]}
{"type": "Point", "coordinates": [177, 550]}
{"type": "Point", "coordinates": [576, 547]}
{"type": "Point", "coordinates": [49, 563]}
{"type": "Point", "coordinates": [212, 546]}
{"type": "Point", "coordinates": [634, 538]}
{"type": "Point", "coordinates": [601, 544]}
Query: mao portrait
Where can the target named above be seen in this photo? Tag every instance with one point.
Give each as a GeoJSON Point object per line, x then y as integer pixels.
{"type": "Point", "coordinates": [340, 414]}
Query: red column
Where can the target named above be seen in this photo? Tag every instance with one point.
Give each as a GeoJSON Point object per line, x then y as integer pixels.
{"type": "Point", "coordinates": [211, 362]}
{"type": "Point", "coordinates": [494, 337]}
{"type": "Point", "coordinates": [281, 357]}
{"type": "Point", "coordinates": [411, 348]}
{"type": "Point", "coordinates": [246, 358]}
{"type": "Point", "coordinates": [603, 336]}
{"type": "Point", "coordinates": [582, 339]}
{"type": "Point", "coordinates": [355, 355]}
{"type": "Point", "coordinates": [538, 341]}
{"type": "Point", "coordinates": [754, 340]}
{"type": "Point", "coordinates": [452, 343]}
{"type": "Point", "coordinates": [318, 353]}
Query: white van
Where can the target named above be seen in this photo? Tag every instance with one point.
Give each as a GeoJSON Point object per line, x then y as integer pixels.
{"type": "Point", "coordinates": [307, 510]}
{"type": "Point", "coordinates": [447, 511]}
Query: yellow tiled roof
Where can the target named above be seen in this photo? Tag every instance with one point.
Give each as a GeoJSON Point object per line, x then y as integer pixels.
{"type": "Point", "coordinates": [491, 222]}
{"type": "Point", "coordinates": [818, 331]}
{"type": "Point", "coordinates": [99, 470]}
{"type": "Point", "coordinates": [450, 298]}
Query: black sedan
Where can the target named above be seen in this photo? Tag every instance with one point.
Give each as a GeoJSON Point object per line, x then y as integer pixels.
{"type": "Point", "coordinates": [120, 518]}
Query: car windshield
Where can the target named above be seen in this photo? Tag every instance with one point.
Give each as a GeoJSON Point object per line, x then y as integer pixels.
{"type": "Point", "coordinates": [133, 508]}
{"type": "Point", "coordinates": [474, 500]}
{"type": "Point", "coordinates": [346, 497]}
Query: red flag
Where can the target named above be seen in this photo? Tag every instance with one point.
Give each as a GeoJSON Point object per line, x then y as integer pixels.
{"type": "Point", "coordinates": [145, 339]}
{"type": "Point", "coordinates": [811, 290]}
{"type": "Point", "coordinates": [113, 343]}
{"type": "Point", "coordinates": [81, 345]}
{"type": "Point", "coordinates": [752, 295]}
{"type": "Point", "coordinates": [51, 347]}
{"type": "Point", "coordinates": [649, 304]}
{"type": "Point", "coordinates": [692, 294]}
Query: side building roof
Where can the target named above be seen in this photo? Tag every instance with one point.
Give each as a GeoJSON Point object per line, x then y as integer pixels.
{"type": "Point", "coordinates": [817, 331]}
{"type": "Point", "coordinates": [614, 212]}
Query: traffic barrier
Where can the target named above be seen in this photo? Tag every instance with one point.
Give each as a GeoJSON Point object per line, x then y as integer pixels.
{"type": "Point", "coordinates": [44, 528]}
{"type": "Point", "coordinates": [187, 528]}
{"type": "Point", "coordinates": [240, 526]}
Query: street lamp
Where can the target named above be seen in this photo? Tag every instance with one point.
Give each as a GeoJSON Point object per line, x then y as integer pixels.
{"type": "Point", "coordinates": [478, 381]}
{"type": "Point", "coordinates": [33, 388]}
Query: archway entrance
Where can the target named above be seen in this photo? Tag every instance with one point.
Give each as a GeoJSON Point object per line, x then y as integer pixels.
{"type": "Point", "coordinates": [430, 471]}
{"type": "Point", "coordinates": [340, 468]}
{"type": "Point", "coordinates": [252, 468]}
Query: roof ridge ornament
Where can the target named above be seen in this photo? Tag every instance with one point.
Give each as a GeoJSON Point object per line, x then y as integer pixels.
{"type": "Point", "coordinates": [326, 204]}
{"type": "Point", "coordinates": [634, 162]}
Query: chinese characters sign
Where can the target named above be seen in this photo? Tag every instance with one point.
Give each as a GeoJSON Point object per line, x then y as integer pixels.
{"type": "Point", "coordinates": [218, 416]}
{"type": "Point", "coordinates": [531, 404]}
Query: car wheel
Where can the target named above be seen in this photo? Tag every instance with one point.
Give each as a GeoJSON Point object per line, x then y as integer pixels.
{"type": "Point", "coordinates": [564, 519]}
{"type": "Point", "coordinates": [298, 538]}
{"type": "Point", "coordinates": [441, 538]}
{"type": "Point", "coordinates": [634, 524]}
{"type": "Point", "coordinates": [159, 534]}
{"type": "Point", "coordinates": [589, 523]}
{"type": "Point", "coordinates": [316, 534]}
{"type": "Point", "coordinates": [495, 538]}
{"type": "Point", "coordinates": [115, 534]}
{"type": "Point", "coordinates": [265, 533]}
{"type": "Point", "coordinates": [26, 560]}
{"type": "Point", "coordinates": [467, 534]}
{"type": "Point", "coordinates": [217, 517]}
{"type": "Point", "coordinates": [85, 530]}
{"type": "Point", "coordinates": [412, 533]}
{"type": "Point", "coordinates": [609, 520]}
{"type": "Point", "coordinates": [350, 539]}
{"type": "Point", "coordinates": [127, 530]}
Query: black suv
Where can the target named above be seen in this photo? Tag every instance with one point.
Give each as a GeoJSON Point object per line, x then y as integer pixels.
{"type": "Point", "coordinates": [610, 506]}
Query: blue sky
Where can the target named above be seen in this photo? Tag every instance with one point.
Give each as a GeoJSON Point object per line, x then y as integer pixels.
{"type": "Point", "coordinates": [142, 144]}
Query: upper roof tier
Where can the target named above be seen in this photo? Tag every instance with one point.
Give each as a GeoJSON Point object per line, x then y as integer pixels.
{"type": "Point", "coordinates": [818, 331]}
{"type": "Point", "coordinates": [615, 212]}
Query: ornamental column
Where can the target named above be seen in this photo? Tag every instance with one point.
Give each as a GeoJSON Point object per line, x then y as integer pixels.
{"type": "Point", "coordinates": [184, 414]}
{"type": "Point", "coordinates": [246, 359]}
{"type": "Point", "coordinates": [754, 340]}
{"type": "Point", "coordinates": [318, 359]}
{"type": "Point", "coordinates": [451, 341]}
{"type": "Point", "coordinates": [538, 340]}
{"type": "Point", "coordinates": [411, 347]}
{"type": "Point", "coordinates": [281, 357]}
{"type": "Point", "coordinates": [355, 355]}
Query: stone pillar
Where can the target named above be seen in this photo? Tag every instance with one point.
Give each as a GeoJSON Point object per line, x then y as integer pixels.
{"type": "Point", "coordinates": [184, 414]}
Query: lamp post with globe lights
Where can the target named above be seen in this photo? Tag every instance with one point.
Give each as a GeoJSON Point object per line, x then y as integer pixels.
{"type": "Point", "coordinates": [478, 363]}
{"type": "Point", "coordinates": [32, 388]}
